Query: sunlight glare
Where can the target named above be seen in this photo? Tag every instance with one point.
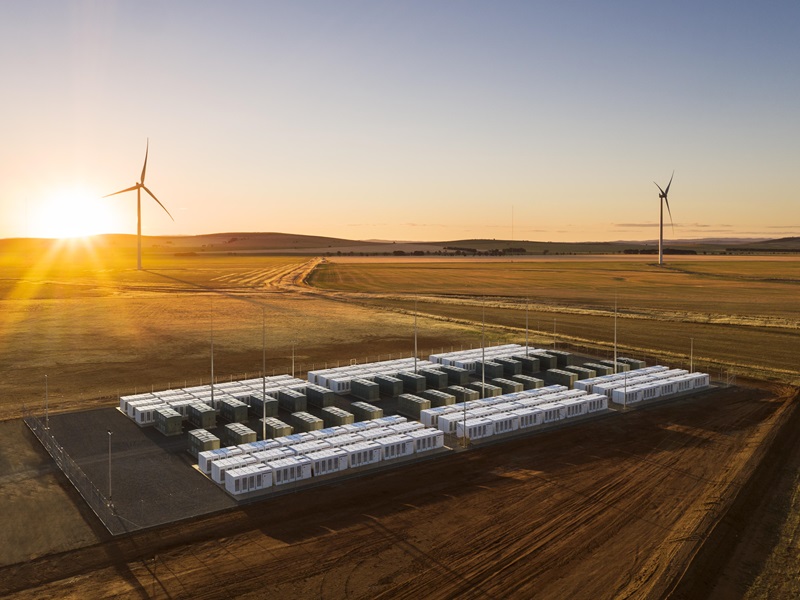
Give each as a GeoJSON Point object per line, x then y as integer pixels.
{"type": "Point", "coordinates": [72, 213]}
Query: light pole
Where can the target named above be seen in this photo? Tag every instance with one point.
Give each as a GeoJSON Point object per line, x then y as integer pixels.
{"type": "Point", "coordinates": [615, 333]}
{"type": "Point", "coordinates": [212, 352]}
{"type": "Point", "coordinates": [109, 467]}
{"type": "Point", "coordinates": [293, 341]}
{"type": "Point", "coordinates": [483, 357]}
{"type": "Point", "coordinates": [526, 326]}
{"type": "Point", "coordinates": [625, 391]}
{"type": "Point", "coordinates": [46, 406]}
{"type": "Point", "coordinates": [415, 333]}
{"type": "Point", "coordinates": [263, 374]}
{"type": "Point", "coordinates": [691, 355]}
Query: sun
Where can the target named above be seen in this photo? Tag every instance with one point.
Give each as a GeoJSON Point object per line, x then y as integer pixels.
{"type": "Point", "coordinates": [72, 214]}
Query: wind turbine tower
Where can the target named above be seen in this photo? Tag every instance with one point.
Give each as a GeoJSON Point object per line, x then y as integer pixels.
{"type": "Point", "coordinates": [139, 187]}
{"type": "Point", "coordinates": [662, 196]}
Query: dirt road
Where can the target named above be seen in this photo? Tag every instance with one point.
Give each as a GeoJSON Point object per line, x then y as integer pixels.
{"type": "Point", "coordinates": [607, 509]}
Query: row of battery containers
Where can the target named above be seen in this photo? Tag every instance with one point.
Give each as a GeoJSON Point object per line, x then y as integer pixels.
{"type": "Point", "coordinates": [649, 378]}
{"type": "Point", "coordinates": [631, 394]}
{"type": "Point", "coordinates": [339, 379]}
{"type": "Point", "coordinates": [462, 357]}
{"type": "Point", "coordinates": [468, 359]}
{"type": "Point", "coordinates": [304, 455]}
{"type": "Point", "coordinates": [430, 416]}
{"type": "Point", "coordinates": [141, 407]}
{"type": "Point", "coordinates": [483, 419]}
{"type": "Point", "coordinates": [647, 372]}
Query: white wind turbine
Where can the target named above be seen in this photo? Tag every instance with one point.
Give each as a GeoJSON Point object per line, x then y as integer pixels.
{"type": "Point", "coordinates": [139, 187]}
{"type": "Point", "coordinates": [663, 198]}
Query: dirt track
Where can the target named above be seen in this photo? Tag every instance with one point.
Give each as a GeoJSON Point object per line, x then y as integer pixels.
{"type": "Point", "coordinates": [610, 509]}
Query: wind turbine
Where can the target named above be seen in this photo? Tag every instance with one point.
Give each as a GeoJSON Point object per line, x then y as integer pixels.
{"type": "Point", "coordinates": [663, 198]}
{"type": "Point", "coordinates": [139, 187]}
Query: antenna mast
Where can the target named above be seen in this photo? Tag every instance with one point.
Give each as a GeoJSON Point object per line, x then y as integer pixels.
{"type": "Point", "coordinates": [263, 374]}
{"type": "Point", "coordinates": [615, 333]}
{"type": "Point", "coordinates": [483, 353]}
{"type": "Point", "coordinates": [526, 327]}
{"type": "Point", "coordinates": [415, 333]}
{"type": "Point", "coordinates": [212, 352]}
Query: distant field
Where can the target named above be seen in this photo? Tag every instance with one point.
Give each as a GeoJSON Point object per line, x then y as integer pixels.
{"type": "Point", "coordinates": [785, 269]}
{"type": "Point", "coordinates": [580, 283]}
{"type": "Point", "coordinates": [97, 327]}
{"type": "Point", "coordinates": [732, 319]}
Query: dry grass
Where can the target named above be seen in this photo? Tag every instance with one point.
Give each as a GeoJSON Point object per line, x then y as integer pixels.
{"type": "Point", "coordinates": [576, 283]}
{"type": "Point", "coordinates": [784, 269]}
{"type": "Point", "coordinates": [97, 327]}
{"type": "Point", "coordinates": [734, 321]}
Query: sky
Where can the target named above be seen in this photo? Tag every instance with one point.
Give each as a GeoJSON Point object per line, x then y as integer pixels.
{"type": "Point", "coordinates": [416, 120]}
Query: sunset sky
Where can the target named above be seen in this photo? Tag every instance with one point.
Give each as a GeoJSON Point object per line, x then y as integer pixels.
{"type": "Point", "coordinates": [407, 120]}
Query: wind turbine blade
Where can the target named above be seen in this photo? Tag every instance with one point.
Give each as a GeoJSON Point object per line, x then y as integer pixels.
{"type": "Point", "coordinates": [659, 188]}
{"type": "Point", "coordinates": [153, 196]}
{"type": "Point", "coordinates": [669, 184]}
{"type": "Point", "coordinates": [670, 214]}
{"type": "Point", "coordinates": [144, 167]}
{"type": "Point", "coordinates": [130, 189]}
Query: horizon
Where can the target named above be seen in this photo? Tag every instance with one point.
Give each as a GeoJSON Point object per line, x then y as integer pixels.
{"type": "Point", "coordinates": [402, 121]}
{"type": "Point", "coordinates": [711, 240]}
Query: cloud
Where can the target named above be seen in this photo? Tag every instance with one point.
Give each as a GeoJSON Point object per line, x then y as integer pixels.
{"type": "Point", "coordinates": [516, 228]}
{"type": "Point", "coordinates": [762, 232]}
{"type": "Point", "coordinates": [677, 225]}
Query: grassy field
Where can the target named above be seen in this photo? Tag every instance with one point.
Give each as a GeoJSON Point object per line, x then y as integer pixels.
{"type": "Point", "coordinates": [97, 327]}
{"type": "Point", "coordinates": [577, 283]}
{"type": "Point", "coordinates": [733, 318]}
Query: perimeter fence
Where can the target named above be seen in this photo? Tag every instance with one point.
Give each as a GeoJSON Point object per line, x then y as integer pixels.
{"type": "Point", "coordinates": [96, 500]}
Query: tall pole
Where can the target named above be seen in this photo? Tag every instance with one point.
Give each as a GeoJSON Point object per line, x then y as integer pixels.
{"type": "Point", "coordinates": [139, 228]}
{"type": "Point", "coordinates": [615, 333]}
{"type": "Point", "coordinates": [625, 397]}
{"type": "Point", "coordinates": [661, 234]}
{"type": "Point", "coordinates": [465, 422]}
{"type": "Point", "coordinates": [554, 333]}
{"type": "Point", "coordinates": [415, 334]}
{"type": "Point", "coordinates": [691, 355]}
{"type": "Point", "coordinates": [46, 405]}
{"type": "Point", "coordinates": [526, 326]}
{"type": "Point", "coordinates": [212, 352]}
{"type": "Point", "coordinates": [483, 354]}
{"type": "Point", "coordinates": [263, 374]}
{"type": "Point", "coordinates": [292, 358]}
{"type": "Point", "coordinates": [109, 466]}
